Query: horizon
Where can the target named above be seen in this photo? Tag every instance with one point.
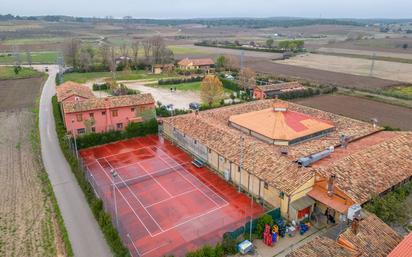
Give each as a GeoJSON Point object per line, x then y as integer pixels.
{"type": "Point", "coordinates": [180, 9]}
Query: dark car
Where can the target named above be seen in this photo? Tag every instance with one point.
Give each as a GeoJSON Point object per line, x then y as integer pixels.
{"type": "Point", "coordinates": [194, 106]}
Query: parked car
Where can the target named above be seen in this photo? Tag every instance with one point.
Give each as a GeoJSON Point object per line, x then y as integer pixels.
{"type": "Point", "coordinates": [194, 106]}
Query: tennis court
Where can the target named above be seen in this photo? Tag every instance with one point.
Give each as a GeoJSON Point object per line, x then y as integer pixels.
{"type": "Point", "coordinates": [160, 203]}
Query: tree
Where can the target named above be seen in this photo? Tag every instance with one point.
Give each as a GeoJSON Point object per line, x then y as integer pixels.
{"type": "Point", "coordinates": [211, 90]}
{"type": "Point", "coordinates": [71, 51]}
{"type": "Point", "coordinates": [29, 58]}
{"type": "Point", "coordinates": [147, 49]}
{"type": "Point", "coordinates": [269, 43]}
{"type": "Point", "coordinates": [135, 52]}
{"type": "Point", "coordinates": [85, 61]}
{"type": "Point", "coordinates": [247, 78]}
{"type": "Point", "coordinates": [221, 62]}
{"type": "Point", "coordinates": [105, 54]}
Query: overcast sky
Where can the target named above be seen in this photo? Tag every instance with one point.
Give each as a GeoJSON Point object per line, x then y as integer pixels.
{"type": "Point", "coordinates": [213, 8]}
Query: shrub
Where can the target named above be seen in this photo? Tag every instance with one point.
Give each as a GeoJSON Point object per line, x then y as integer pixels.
{"type": "Point", "coordinates": [229, 84]}
{"type": "Point", "coordinates": [180, 80]}
{"type": "Point", "coordinates": [261, 223]}
{"type": "Point", "coordinates": [229, 244]}
{"type": "Point", "coordinates": [98, 87]}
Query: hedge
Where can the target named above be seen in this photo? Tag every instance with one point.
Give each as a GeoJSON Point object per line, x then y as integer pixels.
{"type": "Point", "coordinates": [132, 130]}
{"type": "Point", "coordinates": [103, 219]}
{"type": "Point", "coordinates": [99, 87]}
{"type": "Point", "coordinates": [180, 80]}
{"type": "Point", "coordinates": [229, 84]}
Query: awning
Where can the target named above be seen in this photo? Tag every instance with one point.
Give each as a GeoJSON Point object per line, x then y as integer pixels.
{"type": "Point", "coordinates": [335, 202]}
{"type": "Point", "coordinates": [302, 203]}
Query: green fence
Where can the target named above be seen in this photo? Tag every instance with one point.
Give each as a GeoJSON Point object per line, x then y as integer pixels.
{"type": "Point", "coordinates": [275, 214]}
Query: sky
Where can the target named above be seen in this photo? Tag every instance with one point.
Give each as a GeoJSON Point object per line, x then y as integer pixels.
{"type": "Point", "coordinates": [212, 8]}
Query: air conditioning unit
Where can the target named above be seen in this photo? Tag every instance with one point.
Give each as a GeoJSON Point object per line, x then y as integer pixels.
{"type": "Point", "coordinates": [354, 211]}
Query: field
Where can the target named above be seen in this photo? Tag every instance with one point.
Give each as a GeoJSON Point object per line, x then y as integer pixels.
{"type": "Point", "coordinates": [131, 75]}
{"type": "Point", "coordinates": [369, 53]}
{"type": "Point", "coordinates": [28, 226]}
{"type": "Point", "coordinates": [8, 73]}
{"type": "Point", "coordinates": [161, 204]}
{"type": "Point", "coordinates": [362, 109]}
{"type": "Point", "coordinates": [405, 92]}
{"type": "Point", "coordinates": [37, 58]}
{"type": "Point", "coordinates": [355, 66]}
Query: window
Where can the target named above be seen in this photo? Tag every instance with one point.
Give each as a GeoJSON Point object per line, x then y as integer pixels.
{"type": "Point", "coordinates": [93, 129]}
{"type": "Point", "coordinates": [91, 115]}
{"type": "Point", "coordinates": [103, 113]}
{"type": "Point", "coordinates": [210, 150]}
{"type": "Point", "coordinates": [119, 125]}
{"type": "Point", "coordinates": [79, 117]}
{"type": "Point", "coordinates": [132, 109]}
{"type": "Point", "coordinates": [115, 113]}
{"type": "Point", "coordinates": [238, 169]}
{"type": "Point", "coordinates": [266, 185]}
{"type": "Point", "coordinates": [195, 141]}
{"type": "Point", "coordinates": [81, 131]}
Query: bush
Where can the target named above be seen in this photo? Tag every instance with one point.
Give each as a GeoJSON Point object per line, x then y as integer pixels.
{"type": "Point", "coordinates": [99, 87]}
{"type": "Point", "coordinates": [261, 223]}
{"type": "Point", "coordinates": [103, 219]}
{"type": "Point", "coordinates": [229, 84]}
{"type": "Point", "coordinates": [180, 80]}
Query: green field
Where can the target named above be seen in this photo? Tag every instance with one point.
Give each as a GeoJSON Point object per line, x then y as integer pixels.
{"type": "Point", "coordinates": [191, 86]}
{"type": "Point", "coordinates": [37, 58]}
{"type": "Point", "coordinates": [181, 50]}
{"type": "Point", "coordinates": [8, 73]}
{"type": "Point", "coordinates": [132, 75]}
{"type": "Point", "coordinates": [29, 41]}
{"type": "Point", "coordinates": [400, 92]}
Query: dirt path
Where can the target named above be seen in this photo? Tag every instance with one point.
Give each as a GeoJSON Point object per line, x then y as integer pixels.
{"type": "Point", "coordinates": [180, 99]}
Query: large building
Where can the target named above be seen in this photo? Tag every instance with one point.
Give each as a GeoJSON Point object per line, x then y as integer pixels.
{"type": "Point", "coordinates": [84, 113]}
{"type": "Point", "coordinates": [194, 64]}
{"type": "Point", "coordinates": [301, 160]}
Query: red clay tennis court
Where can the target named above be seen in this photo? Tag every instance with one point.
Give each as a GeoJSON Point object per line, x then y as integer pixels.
{"type": "Point", "coordinates": [160, 203]}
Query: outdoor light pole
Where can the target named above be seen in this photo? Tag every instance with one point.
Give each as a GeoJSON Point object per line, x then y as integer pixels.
{"type": "Point", "coordinates": [74, 137]}
{"type": "Point", "coordinates": [242, 139]}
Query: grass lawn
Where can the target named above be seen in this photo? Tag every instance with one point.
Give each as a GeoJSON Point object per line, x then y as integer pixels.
{"type": "Point", "coordinates": [131, 75]}
{"type": "Point", "coordinates": [191, 86]}
{"type": "Point", "coordinates": [37, 58]}
{"type": "Point", "coordinates": [8, 73]}
{"type": "Point", "coordinates": [181, 50]}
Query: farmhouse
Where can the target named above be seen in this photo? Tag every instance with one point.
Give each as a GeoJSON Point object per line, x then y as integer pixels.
{"type": "Point", "coordinates": [84, 113]}
{"type": "Point", "coordinates": [369, 237]}
{"type": "Point", "coordinates": [160, 68]}
{"type": "Point", "coordinates": [194, 64]}
{"type": "Point", "coordinates": [301, 160]}
{"type": "Point", "coordinates": [273, 90]}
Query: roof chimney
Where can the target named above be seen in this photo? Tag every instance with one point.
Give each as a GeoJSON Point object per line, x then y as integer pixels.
{"type": "Point", "coordinates": [355, 225]}
{"type": "Point", "coordinates": [331, 184]}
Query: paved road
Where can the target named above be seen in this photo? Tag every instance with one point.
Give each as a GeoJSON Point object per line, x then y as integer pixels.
{"type": "Point", "coordinates": [84, 233]}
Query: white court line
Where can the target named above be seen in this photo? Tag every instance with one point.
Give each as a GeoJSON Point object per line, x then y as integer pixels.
{"type": "Point", "coordinates": [127, 202]}
{"type": "Point", "coordinates": [153, 173]}
{"type": "Point", "coordinates": [156, 248]}
{"type": "Point", "coordinates": [189, 220]}
{"type": "Point", "coordinates": [135, 198]}
{"type": "Point", "coordinates": [175, 196]}
{"type": "Point", "coordinates": [194, 178]}
{"type": "Point", "coordinates": [137, 149]}
{"type": "Point", "coordinates": [157, 182]}
{"type": "Point", "coordinates": [181, 165]}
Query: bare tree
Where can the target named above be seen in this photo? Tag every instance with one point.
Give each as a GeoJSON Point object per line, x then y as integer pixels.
{"type": "Point", "coordinates": [105, 54]}
{"type": "Point", "coordinates": [247, 78]}
{"type": "Point", "coordinates": [112, 60]}
{"type": "Point", "coordinates": [135, 52]}
{"type": "Point", "coordinates": [147, 48]}
{"type": "Point", "coordinates": [85, 60]}
{"type": "Point", "coordinates": [71, 51]}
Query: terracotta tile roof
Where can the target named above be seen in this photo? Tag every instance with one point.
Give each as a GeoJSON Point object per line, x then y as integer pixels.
{"type": "Point", "coordinates": [70, 88]}
{"type": "Point", "coordinates": [196, 62]}
{"type": "Point", "coordinates": [374, 237]}
{"type": "Point", "coordinates": [286, 86]}
{"type": "Point", "coordinates": [108, 102]}
{"type": "Point", "coordinates": [374, 169]}
{"type": "Point", "coordinates": [264, 160]}
{"type": "Point", "coordinates": [404, 249]}
{"type": "Point", "coordinates": [321, 247]}
{"type": "Point", "coordinates": [281, 125]}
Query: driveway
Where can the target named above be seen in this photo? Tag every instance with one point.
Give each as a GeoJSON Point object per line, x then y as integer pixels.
{"type": "Point", "coordinates": [84, 233]}
{"type": "Point", "coordinates": [180, 99]}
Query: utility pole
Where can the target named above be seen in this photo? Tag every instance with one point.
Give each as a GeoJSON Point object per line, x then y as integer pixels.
{"type": "Point", "coordinates": [242, 146]}
{"type": "Point", "coordinates": [373, 64]}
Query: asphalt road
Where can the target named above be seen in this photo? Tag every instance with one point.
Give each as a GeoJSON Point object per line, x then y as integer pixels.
{"type": "Point", "coordinates": [84, 233]}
